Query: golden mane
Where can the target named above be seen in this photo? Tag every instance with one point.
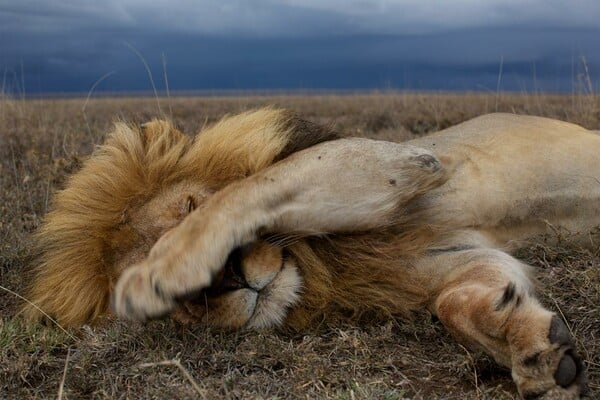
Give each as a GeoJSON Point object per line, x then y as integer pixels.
{"type": "Point", "coordinates": [360, 275]}
{"type": "Point", "coordinates": [72, 278]}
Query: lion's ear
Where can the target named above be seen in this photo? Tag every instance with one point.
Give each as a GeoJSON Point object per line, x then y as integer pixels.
{"type": "Point", "coordinates": [242, 145]}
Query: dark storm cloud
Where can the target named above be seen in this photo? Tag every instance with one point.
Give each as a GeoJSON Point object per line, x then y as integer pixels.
{"type": "Point", "coordinates": [67, 46]}
{"type": "Point", "coordinates": [269, 18]}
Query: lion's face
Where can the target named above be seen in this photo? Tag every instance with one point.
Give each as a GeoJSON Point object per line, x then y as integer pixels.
{"type": "Point", "coordinates": [254, 289]}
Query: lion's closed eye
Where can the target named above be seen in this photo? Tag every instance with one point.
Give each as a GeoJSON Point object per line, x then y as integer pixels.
{"type": "Point", "coordinates": [190, 204]}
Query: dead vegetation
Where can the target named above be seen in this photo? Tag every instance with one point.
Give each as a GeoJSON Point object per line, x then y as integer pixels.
{"type": "Point", "coordinates": [42, 141]}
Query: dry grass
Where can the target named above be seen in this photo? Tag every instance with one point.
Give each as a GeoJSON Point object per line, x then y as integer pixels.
{"type": "Point", "coordinates": [42, 141]}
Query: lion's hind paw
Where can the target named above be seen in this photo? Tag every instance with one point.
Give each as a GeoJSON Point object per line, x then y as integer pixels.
{"type": "Point", "coordinates": [556, 372]}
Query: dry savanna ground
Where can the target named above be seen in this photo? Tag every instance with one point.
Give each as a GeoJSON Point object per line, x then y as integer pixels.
{"type": "Point", "coordinates": [42, 141]}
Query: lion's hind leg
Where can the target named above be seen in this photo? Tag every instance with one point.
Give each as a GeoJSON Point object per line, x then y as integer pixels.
{"type": "Point", "coordinates": [485, 299]}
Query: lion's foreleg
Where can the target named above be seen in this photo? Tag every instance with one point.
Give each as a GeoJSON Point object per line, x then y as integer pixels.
{"type": "Point", "coordinates": [487, 303]}
{"type": "Point", "coordinates": [347, 184]}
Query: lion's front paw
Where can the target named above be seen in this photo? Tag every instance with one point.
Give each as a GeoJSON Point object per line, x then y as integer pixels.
{"type": "Point", "coordinates": [180, 266]}
{"type": "Point", "coordinates": [152, 290]}
{"type": "Point", "coordinates": [134, 297]}
{"type": "Point", "coordinates": [173, 271]}
{"type": "Point", "coordinates": [554, 371]}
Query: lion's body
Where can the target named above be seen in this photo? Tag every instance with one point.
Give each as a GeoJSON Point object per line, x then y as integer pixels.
{"type": "Point", "coordinates": [516, 177]}
{"type": "Point", "coordinates": [511, 180]}
{"type": "Point", "coordinates": [421, 225]}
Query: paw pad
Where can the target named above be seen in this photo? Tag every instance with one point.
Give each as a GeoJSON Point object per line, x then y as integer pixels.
{"type": "Point", "coordinates": [566, 372]}
{"type": "Point", "coordinates": [559, 333]}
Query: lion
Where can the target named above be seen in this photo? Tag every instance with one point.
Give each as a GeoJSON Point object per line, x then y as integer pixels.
{"type": "Point", "coordinates": [266, 220]}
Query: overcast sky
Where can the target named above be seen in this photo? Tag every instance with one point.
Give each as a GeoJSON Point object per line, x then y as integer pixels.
{"type": "Point", "coordinates": [66, 46]}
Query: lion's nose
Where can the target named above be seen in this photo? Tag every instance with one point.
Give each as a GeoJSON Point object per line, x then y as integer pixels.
{"type": "Point", "coordinates": [234, 277]}
{"type": "Point", "coordinates": [231, 276]}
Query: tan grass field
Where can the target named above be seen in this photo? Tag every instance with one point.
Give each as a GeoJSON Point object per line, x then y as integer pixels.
{"type": "Point", "coordinates": [42, 141]}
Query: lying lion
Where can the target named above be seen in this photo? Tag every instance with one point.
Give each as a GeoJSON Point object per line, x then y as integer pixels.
{"type": "Point", "coordinates": [266, 220]}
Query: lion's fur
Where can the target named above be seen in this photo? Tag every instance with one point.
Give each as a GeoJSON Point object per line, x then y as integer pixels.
{"type": "Point", "coordinates": [72, 278]}
{"type": "Point", "coordinates": [377, 269]}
